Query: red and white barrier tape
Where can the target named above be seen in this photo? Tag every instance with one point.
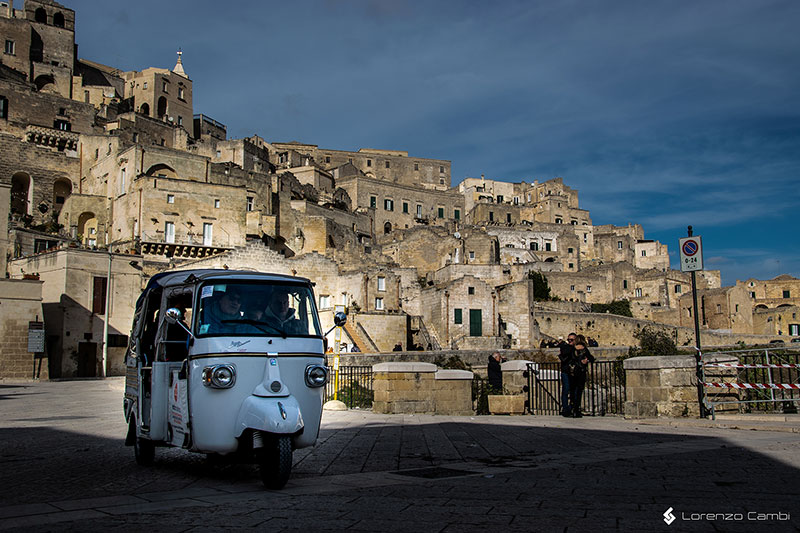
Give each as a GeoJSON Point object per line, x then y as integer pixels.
{"type": "Point", "coordinates": [753, 385]}
{"type": "Point", "coordinates": [743, 365]}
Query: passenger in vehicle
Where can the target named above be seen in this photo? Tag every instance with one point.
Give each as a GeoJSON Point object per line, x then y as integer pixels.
{"type": "Point", "coordinates": [281, 316]}
{"type": "Point", "coordinates": [225, 308]}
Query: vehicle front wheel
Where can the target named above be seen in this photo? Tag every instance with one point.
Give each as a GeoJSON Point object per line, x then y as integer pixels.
{"type": "Point", "coordinates": [144, 450]}
{"type": "Point", "coordinates": [275, 462]}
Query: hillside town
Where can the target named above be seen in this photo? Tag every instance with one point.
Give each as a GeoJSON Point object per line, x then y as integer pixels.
{"type": "Point", "coordinates": [108, 177]}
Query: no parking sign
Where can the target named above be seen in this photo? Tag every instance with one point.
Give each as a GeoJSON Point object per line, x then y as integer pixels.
{"type": "Point", "coordinates": [691, 254]}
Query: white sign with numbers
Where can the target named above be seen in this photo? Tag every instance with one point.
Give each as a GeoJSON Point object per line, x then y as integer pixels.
{"type": "Point", "coordinates": [691, 254]}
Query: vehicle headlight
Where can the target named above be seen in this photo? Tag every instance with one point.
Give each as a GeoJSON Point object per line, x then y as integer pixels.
{"type": "Point", "coordinates": [316, 375]}
{"type": "Point", "coordinates": [219, 376]}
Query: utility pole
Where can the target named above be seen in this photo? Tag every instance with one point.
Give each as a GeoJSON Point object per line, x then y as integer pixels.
{"type": "Point", "coordinates": [104, 369]}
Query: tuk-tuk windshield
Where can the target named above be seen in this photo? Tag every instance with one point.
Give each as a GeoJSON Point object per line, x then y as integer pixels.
{"type": "Point", "coordinates": [253, 308]}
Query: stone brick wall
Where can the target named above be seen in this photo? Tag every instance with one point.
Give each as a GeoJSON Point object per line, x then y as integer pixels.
{"type": "Point", "coordinates": [20, 303]}
{"type": "Point", "coordinates": [419, 388]}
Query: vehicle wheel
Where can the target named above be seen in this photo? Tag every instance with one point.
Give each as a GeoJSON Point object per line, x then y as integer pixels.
{"type": "Point", "coordinates": [144, 450]}
{"type": "Point", "coordinates": [275, 462]}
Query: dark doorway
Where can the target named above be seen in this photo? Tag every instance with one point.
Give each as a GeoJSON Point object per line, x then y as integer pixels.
{"type": "Point", "coordinates": [87, 359]}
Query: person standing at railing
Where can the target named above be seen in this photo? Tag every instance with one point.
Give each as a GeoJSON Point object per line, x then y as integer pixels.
{"type": "Point", "coordinates": [566, 354]}
{"type": "Point", "coordinates": [578, 370]}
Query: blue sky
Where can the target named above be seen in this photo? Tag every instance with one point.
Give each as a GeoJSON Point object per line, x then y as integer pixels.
{"type": "Point", "coordinates": [663, 113]}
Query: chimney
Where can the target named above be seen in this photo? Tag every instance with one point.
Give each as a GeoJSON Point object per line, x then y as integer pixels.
{"type": "Point", "coordinates": [11, 9]}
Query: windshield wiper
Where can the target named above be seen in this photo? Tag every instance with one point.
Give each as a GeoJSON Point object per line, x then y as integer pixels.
{"type": "Point", "coordinates": [257, 324]}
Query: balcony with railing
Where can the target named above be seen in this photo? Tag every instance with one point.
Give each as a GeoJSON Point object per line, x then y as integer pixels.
{"type": "Point", "coordinates": [62, 140]}
{"type": "Point", "coordinates": [188, 245]}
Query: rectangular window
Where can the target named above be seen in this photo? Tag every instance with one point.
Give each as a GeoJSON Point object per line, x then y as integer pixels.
{"type": "Point", "coordinates": [619, 245]}
{"type": "Point", "coordinates": [588, 288]}
{"type": "Point", "coordinates": [440, 212]}
{"type": "Point", "coordinates": [678, 289]}
{"type": "Point", "coordinates": [369, 162]}
{"type": "Point", "coordinates": [250, 201]}
{"type": "Point", "coordinates": [572, 288]}
{"type": "Point", "coordinates": [180, 120]}
{"type": "Point", "coordinates": [324, 301]}
{"type": "Point", "coordinates": [388, 204]}
{"type": "Point", "coordinates": [571, 265]}
{"type": "Point", "coordinates": [534, 246]}
{"type": "Point", "coordinates": [499, 198]}
{"type": "Point", "coordinates": [794, 330]}
{"type": "Point", "coordinates": [405, 207]}
{"type": "Point", "coordinates": [472, 256]}
{"type": "Point", "coordinates": [387, 164]}
{"type": "Point", "coordinates": [378, 304]}
{"type": "Point", "coordinates": [216, 204]}
{"type": "Point", "coordinates": [569, 250]}
{"type": "Point", "coordinates": [548, 247]}
{"type": "Point", "coordinates": [416, 167]}
{"type": "Point", "coordinates": [719, 308]}
{"type": "Point", "coordinates": [457, 214]}
{"type": "Point", "coordinates": [470, 290]}
{"type": "Point", "coordinates": [441, 170]}
{"type": "Point", "coordinates": [638, 293]}
{"type": "Point", "coordinates": [144, 85]}
{"type": "Point", "coordinates": [373, 201]}
{"type": "Point", "coordinates": [99, 288]}
{"type": "Point", "coordinates": [180, 95]}
{"type": "Point", "coordinates": [419, 211]}
{"type": "Point", "coordinates": [164, 86]}
{"type": "Point", "coordinates": [737, 308]}
{"type": "Point", "coordinates": [122, 181]}
{"type": "Point", "coordinates": [491, 216]}
{"type": "Point", "coordinates": [624, 283]}
{"type": "Point", "coordinates": [644, 253]}
{"type": "Point", "coordinates": [585, 238]}
{"type": "Point", "coordinates": [3, 107]}
{"type": "Point", "coordinates": [508, 218]}
{"type": "Point", "coordinates": [457, 318]}
{"type": "Point", "coordinates": [753, 295]}
{"type": "Point", "coordinates": [786, 294]}
{"type": "Point", "coordinates": [208, 236]}
{"type": "Point", "coordinates": [169, 232]}
{"type": "Point", "coordinates": [381, 283]}
{"type": "Point", "coordinates": [10, 47]}
{"type": "Point", "coordinates": [170, 198]}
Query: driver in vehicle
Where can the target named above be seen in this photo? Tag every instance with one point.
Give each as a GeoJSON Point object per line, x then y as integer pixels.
{"type": "Point", "coordinates": [279, 315]}
{"type": "Point", "coordinates": [226, 308]}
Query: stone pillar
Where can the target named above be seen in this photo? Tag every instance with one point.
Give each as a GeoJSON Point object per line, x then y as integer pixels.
{"type": "Point", "coordinates": [403, 388]}
{"type": "Point", "coordinates": [513, 376]}
{"type": "Point", "coordinates": [419, 388]}
{"type": "Point", "coordinates": [452, 392]}
{"type": "Point", "coordinates": [661, 386]}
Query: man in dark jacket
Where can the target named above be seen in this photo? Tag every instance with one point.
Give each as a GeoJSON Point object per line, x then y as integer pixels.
{"type": "Point", "coordinates": [495, 373]}
{"type": "Point", "coordinates": [566, 353]}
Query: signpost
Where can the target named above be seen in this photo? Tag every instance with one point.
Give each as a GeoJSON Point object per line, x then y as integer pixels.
{"type": "Point", "coordinates": [692, 261]}
{"type": "Point", "coordinates": [36, 345]}
{"type": "Point", "coordinates": [337, 346]}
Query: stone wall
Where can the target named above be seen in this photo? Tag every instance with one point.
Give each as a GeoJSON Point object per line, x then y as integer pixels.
{"type": "Point", "coordinates": [661, 386]}
{"type": "Point", "coordinates": [419, 388]}
{"type": "Point", "coordinates": [20, 303]}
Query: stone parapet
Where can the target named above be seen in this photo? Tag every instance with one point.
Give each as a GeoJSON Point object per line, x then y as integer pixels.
{"type": "Point", "coordinates": [661, 386]}
{"type": "Point", "coordinates": [420, 388]}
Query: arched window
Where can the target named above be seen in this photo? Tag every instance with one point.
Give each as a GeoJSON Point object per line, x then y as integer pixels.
{"type": "Point", "coordinates": [45, 83]}
{"type": "Point", "coordinates": [58, 20]}
{"type": "Point", "coordinates": [161, 171]}
{"type": "Point", "coordinates": [144, 109]}
{"type": "Point", "coordinates": [87, 228]}
{"type": "Point", "coordinates": [62, 188]}
{"type": "Point", "coordinates": [387, 228]}
{"type": "Point", "coordinates": [21, 193]}
{"type": "Point", "coordinates": [40, 15]}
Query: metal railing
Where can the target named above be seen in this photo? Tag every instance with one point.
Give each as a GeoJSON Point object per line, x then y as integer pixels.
{"type": "Point", "coordinates": [604, 393]}
{"type": "Point", "coordinates": [760, 380]}
{"type": "Point", "coordinates": [353, 386]}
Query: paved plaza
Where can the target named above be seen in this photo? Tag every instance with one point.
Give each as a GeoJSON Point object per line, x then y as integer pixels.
{"type": "Point", "coordinates": [63, 466]}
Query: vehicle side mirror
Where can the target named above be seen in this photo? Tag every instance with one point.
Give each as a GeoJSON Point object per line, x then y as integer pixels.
{"type": "Point", "coordinates": [340, 319]}
{"type": "Point", "coordinates": [173, 315]}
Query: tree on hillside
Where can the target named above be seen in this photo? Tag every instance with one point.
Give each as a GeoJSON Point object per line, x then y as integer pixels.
{"type": "Point", "coordinates": [617, 307]}
{"type": "Point", "coordinates": [653, 342]}
{"type": "Point", "coordinates": [541, 290]}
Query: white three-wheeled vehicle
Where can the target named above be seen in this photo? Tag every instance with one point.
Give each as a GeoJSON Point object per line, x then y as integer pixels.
{"type": "Point", "coordinates": [226, 362]}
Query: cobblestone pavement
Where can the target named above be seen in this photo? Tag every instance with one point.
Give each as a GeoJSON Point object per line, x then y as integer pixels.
{"type": "Point", "coordinates": [63, 466]}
